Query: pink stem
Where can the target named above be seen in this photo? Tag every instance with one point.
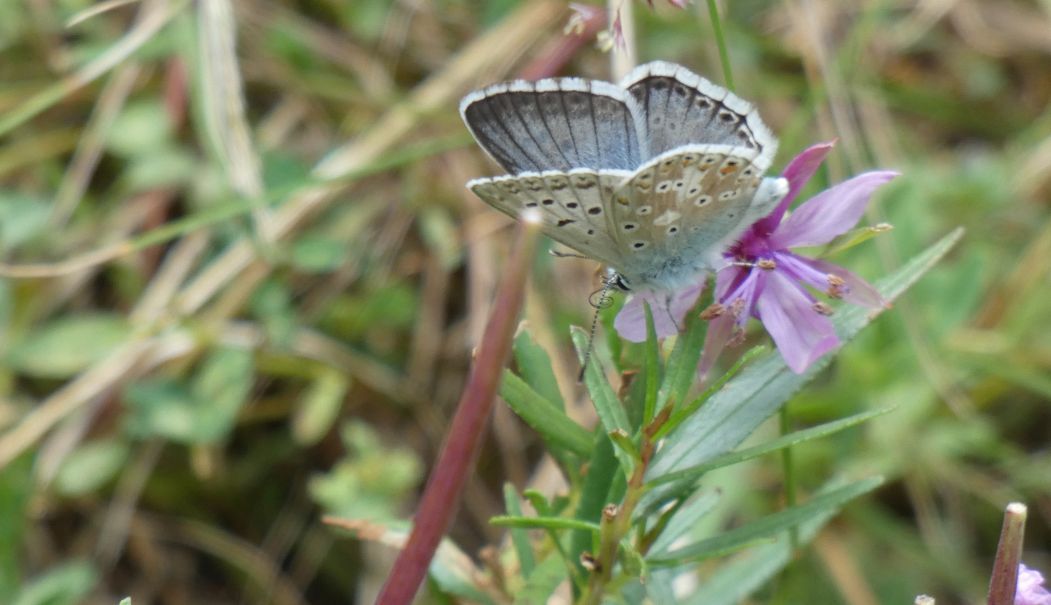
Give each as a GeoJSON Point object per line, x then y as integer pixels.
{"type": "Point", "coordinates": [441, 496]}
{"type": "Point", "coordinates": [1004, 580]}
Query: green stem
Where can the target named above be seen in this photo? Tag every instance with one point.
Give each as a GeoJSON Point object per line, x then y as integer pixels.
{"type": "Point", "coordinates": [616, 521]}
{"type": "Point", "coordinates": [724, 55]}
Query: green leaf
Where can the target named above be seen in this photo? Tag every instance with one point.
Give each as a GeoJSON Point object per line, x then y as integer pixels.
{"type": "Point", "coordinates": [544, 523]}
{"type": "Point", "coordinates": [125, 601]}
{"type": "Point", "coordinates": [534, 366]}
{"type": "Point", "coordinates": [736, 580]}
{"type": "Point", "coordinates": [519, 538]}
{"type": "Point", "coordinates": [63, 347]}
{"type": "Point", "coordinates": [602, 473]}
{"type": "Point", "coordinates": [542, 582]}
{"type": "Point", "coordinates": [609, 409]}
{"type": "Point", "coordinates": [693, 473]}
{"type": "Point", "coordinates": [682, 363]}
{"type": "Point", "coordinates": [651, 373]}
{"type": "Point", "coordinates": [22, 217]}
{"type": "Point", "coordinates": [317, 254]}
{"type": "Point", "coordinates": [733, 413]}
{"type": "Point", "coordinates": [90, 466]}
{"type": "Point", "coordinates": [16, 491]}
{"type": "Point", "coordinates": [682, 413]}
{"type": "Point", "coordinates": [625, 450]}
{"type": "Point", "coordinates": [766, 528]}
{"type": "Point", "coordinates": [203, 412]}
{"type": "Point", "coordinates": [557, 429]}
{"type": "Point", "coordinates": [221, 388]}
{"type": "Point", "coordinates": [684, 519]}
{"type": "Point", "coordinates": [66, 584]}
{"type": "Point", "coordinates": [320, 406]}
{"type": "Point", "coordinates": [143, 127]}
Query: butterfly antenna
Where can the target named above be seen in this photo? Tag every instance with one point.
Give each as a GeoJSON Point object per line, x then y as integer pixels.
{"type": "Point", "coordinates": [600, 304]}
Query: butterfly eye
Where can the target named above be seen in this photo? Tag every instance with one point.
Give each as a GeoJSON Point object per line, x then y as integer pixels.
{"type": "Point", "coordinates": [547, 201]}
{"type": "Point", "coordinates": [704, 200]}
{"type": "Point", "coordinates": [595, 210]}
{"type": "Point", "coordinates": [643, 210]}
{"type": "Point", "coordinates": [728, 195]}
{"type": "Point", "coordinates": [638, 245]}
{"type": "Point", "coordinates": [630, 226]}
{"type": "Point", "coordinates": [673, 230]}
{"type": "Point", "coordinates": [666, 185]}
{"type": "Point", "coordinates": [572, 205]}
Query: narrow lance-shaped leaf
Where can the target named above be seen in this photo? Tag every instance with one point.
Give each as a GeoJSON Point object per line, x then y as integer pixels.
{"type": "Point", "coordinates": [534, 366]}
{"type": "Point", "coordinates": [816, 432]}
{"type": "Point", "coordinates": [519, 538]}
{"type": "Point", "coordinates": [557, 429]}
{"type": "Point", "coordinates": [765, 528]}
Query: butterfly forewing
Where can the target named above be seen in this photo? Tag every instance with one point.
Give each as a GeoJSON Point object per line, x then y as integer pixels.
{"type": "Point", "coordinates": [573, 206]}
{"type": "Point", "coordinates": [555, 124]}
{"type": "Point", "coordinates": [681, 108]}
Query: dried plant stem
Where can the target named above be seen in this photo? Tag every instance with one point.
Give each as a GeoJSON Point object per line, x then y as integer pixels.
{"type": "Point", "coordinates": [442, 494]}
{"type": "Point", "coordinates": [624, 57]}
{"type": "Point", "coordinates": [1004, 581]}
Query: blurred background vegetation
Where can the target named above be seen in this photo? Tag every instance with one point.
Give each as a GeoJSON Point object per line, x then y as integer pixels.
{"type": "Point", "coordinates": [240, 283]}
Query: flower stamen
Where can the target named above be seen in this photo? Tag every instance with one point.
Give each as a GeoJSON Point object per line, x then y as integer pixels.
{"type": "Point", "coordinates": [837, 286]}
{"type": "Point", "coordinates": [713, 311]}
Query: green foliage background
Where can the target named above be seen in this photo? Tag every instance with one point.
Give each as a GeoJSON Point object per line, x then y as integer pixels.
{"type": "Point", "coordinates": [191, 374]}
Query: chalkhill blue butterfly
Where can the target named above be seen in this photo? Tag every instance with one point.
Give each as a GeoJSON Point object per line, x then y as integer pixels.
{"type": "Point", "coordinates": [653, 177]}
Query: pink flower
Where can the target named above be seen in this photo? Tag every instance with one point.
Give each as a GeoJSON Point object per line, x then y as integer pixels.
{"type": "Point", "coordinates": [1031, 589]}
{"type": "Point", "coordinates": [766, 280]}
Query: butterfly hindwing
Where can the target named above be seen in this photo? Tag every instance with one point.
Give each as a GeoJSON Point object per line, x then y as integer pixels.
{"type": "Point", "coordinates": [555, 124]}
{"type": "Point", "coordinates": [678, 209]}
{"type": "Point", "coordinates": [680, 108]}
{"type": "Point", "coordinates": [573, 206]}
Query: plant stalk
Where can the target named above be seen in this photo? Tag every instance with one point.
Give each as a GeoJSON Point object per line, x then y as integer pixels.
{"type": "Point", "coordinates": [442, 495]}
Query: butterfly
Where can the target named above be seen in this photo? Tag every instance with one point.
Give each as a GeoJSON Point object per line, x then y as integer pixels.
{"type": "Point", "coordinates": [653, 177]}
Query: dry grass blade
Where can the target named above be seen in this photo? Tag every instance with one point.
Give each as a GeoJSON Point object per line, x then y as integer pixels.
{"type": "Point", "coordinates": [154, 15]}
{"type": "Point", "coordinates": [222, 101]}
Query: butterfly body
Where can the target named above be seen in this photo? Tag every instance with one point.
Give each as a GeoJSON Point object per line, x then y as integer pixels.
{"type": "Point", "coordinates": [654, 177]}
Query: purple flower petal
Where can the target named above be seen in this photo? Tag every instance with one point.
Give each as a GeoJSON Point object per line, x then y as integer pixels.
{"type": "Point", "coordinates": [719, 332]}
{"type": "Point", "coordinates": [857, 290]}
{"type": "Point", "coordinates": [798, 172]}
{"type": "Point", "coordinates": [816, 274]}
{"type": "Point", "coordinates": [830, 213]}
{"type": "Point", "coordinates": [668, 312]}
{"type": "Point", "coordinates": [1031, 589]}
{"type": "Point", "coordinates": [738, 305]}
{"type": "Point", "coordinates": [801, 334]}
